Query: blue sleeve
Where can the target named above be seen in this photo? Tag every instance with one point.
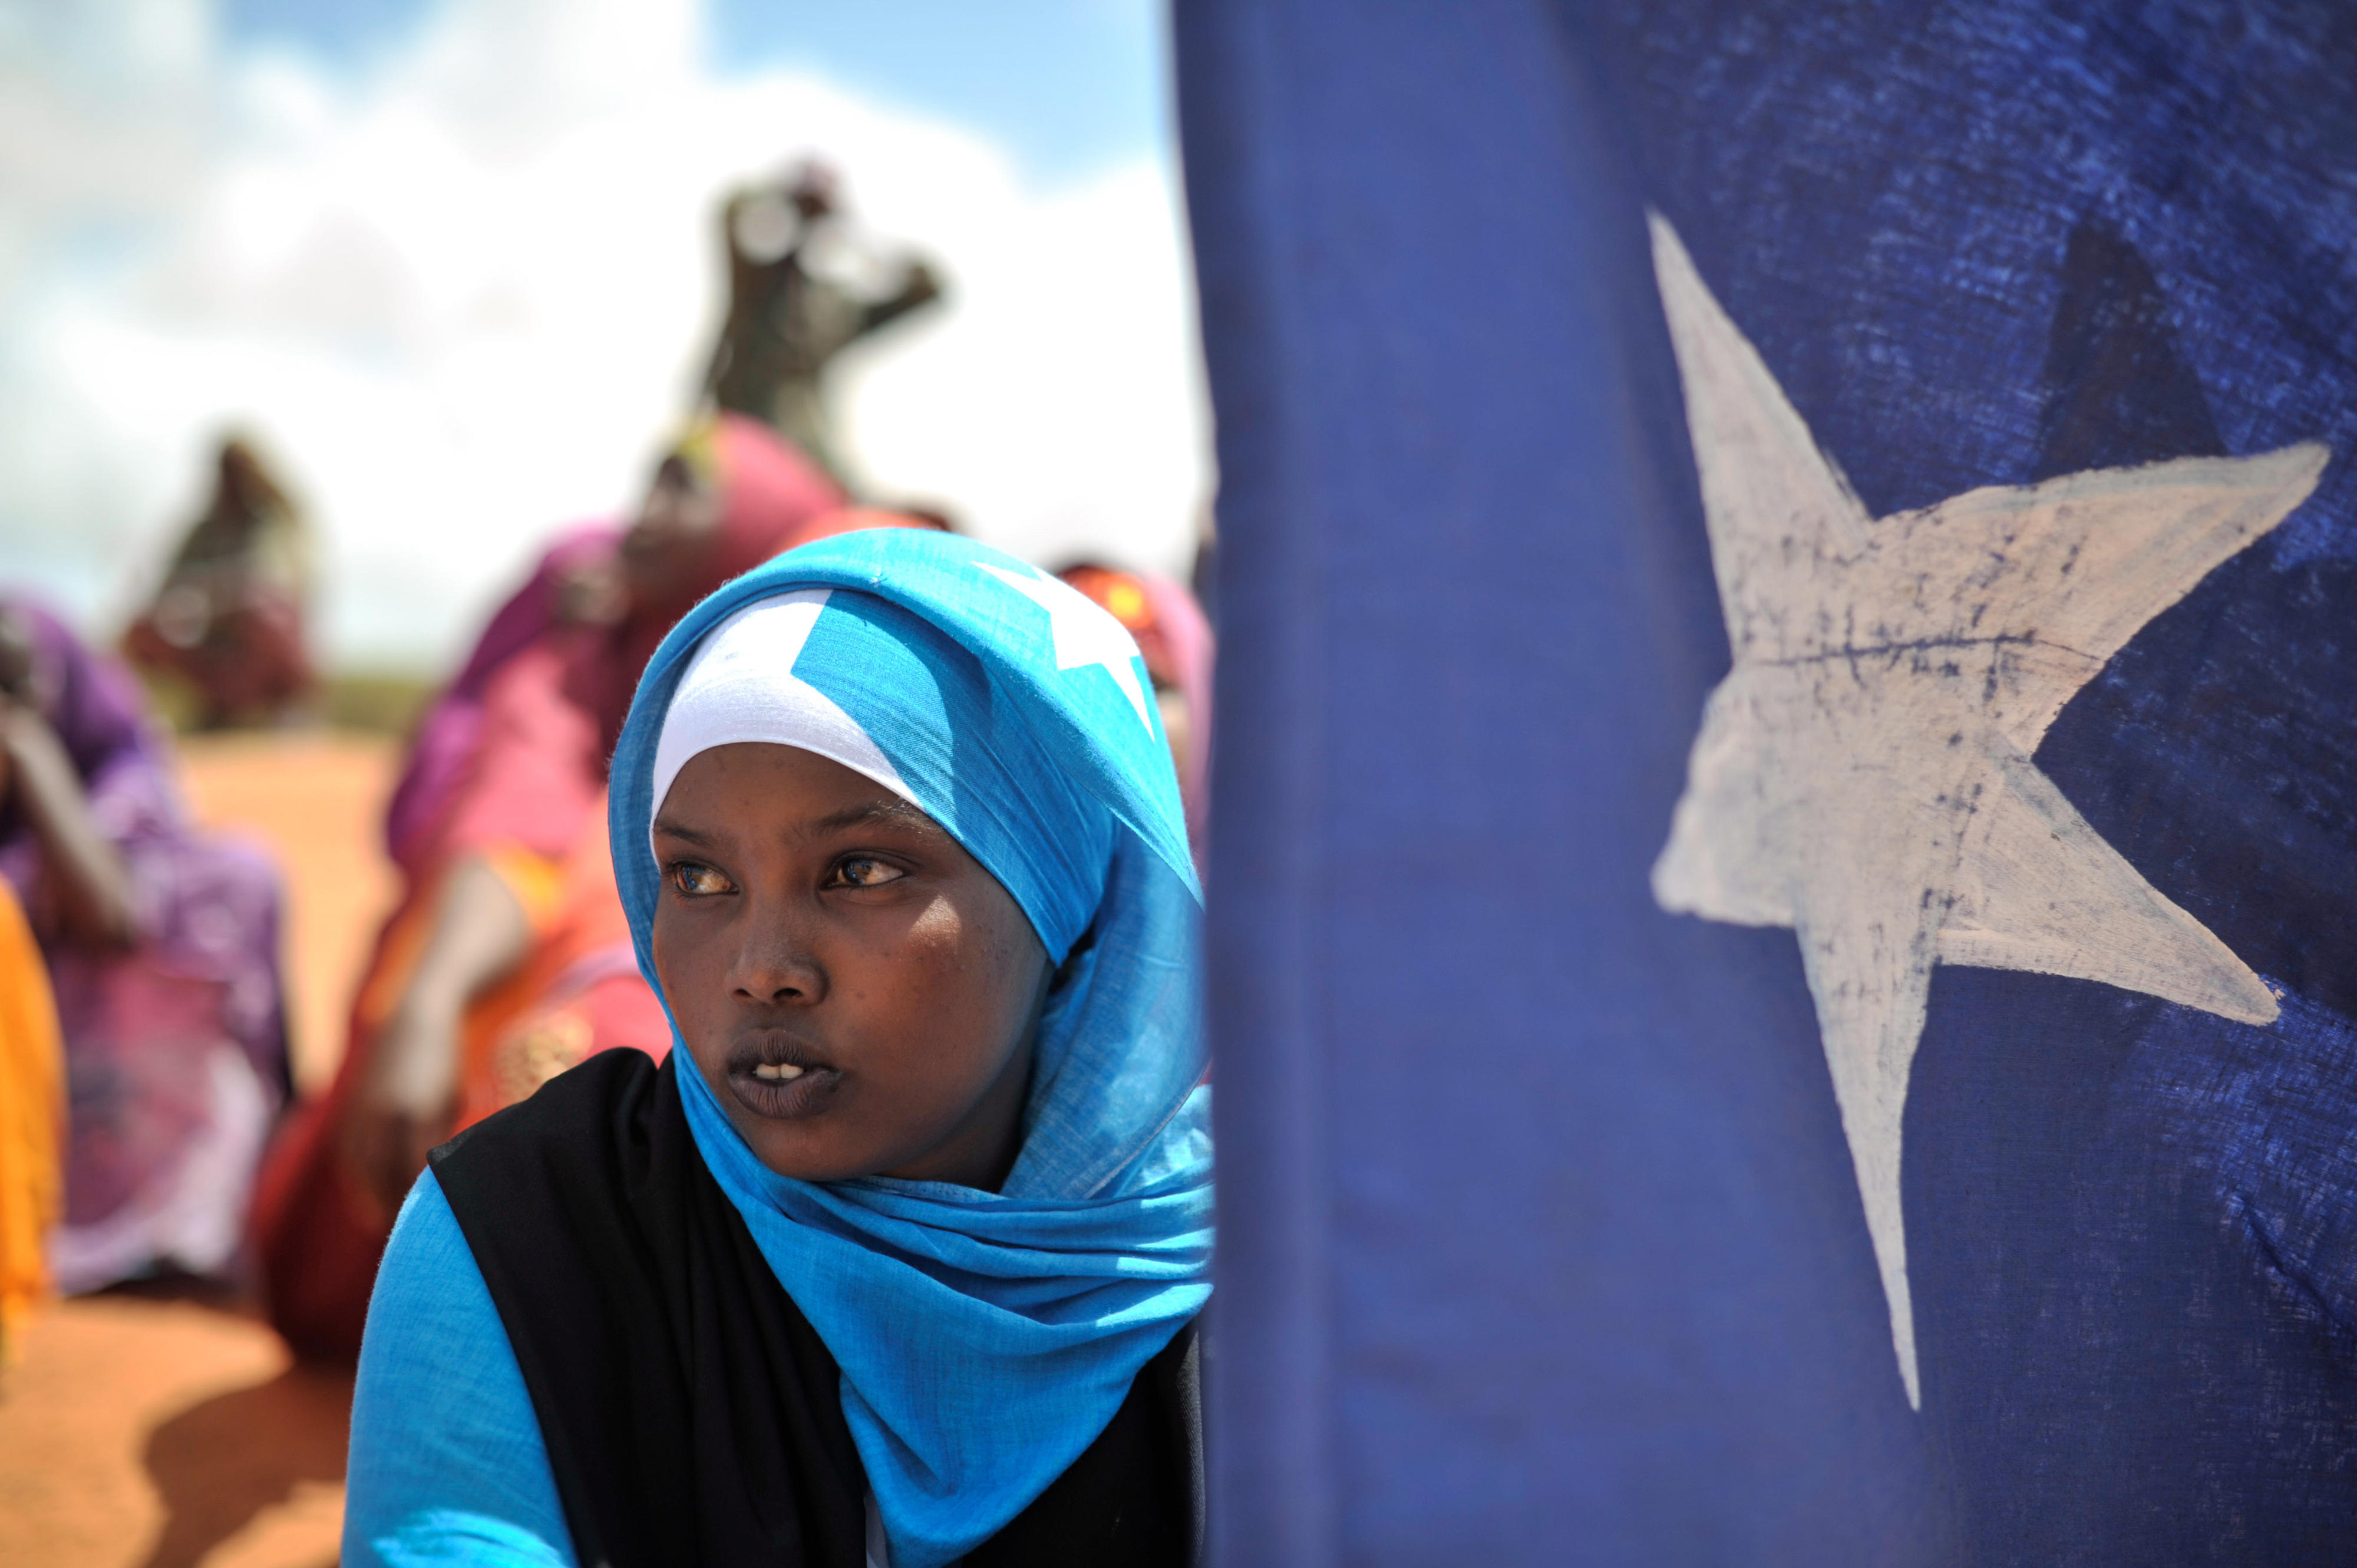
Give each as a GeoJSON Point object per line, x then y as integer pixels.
{"type": "Point", "coordinates": [447, 1463]}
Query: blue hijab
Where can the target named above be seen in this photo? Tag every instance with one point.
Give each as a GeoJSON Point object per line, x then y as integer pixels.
{"type": "Point", "coordinates": [986, 1338]}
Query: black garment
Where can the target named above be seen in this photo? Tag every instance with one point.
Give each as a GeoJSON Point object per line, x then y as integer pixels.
{"type": "Point", "coordinates": [692, 1415]}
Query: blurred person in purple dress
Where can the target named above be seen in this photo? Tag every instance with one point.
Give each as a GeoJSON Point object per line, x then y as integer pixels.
{"type": "Point", "coordinates": [162, 948]}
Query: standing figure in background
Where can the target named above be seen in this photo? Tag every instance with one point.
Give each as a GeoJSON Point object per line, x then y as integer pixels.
{"type": "Point", "coordinates": [1174, 639]}
{"type": "Point", "coordinates": [792, 309]}
{"type": "Point", "coordinates": [508, 958]}
{"type": "Point", "coordinates": [229, 621]}
{"type": "Point", "coordinates": [161, 947]}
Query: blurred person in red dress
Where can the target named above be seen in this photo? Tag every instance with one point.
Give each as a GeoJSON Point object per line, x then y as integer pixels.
{"type": "Point", "coordinates": [508, 958]}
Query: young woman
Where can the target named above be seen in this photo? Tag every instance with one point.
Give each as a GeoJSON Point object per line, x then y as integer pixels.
{"type": "Point", "coordinates": [894, 1260]}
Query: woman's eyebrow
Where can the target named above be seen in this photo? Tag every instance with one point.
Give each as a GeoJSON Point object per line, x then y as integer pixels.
{"type": "Point", "coordinates": [875, 812]}
{"type": "Point", "coordinates": [671, 829]}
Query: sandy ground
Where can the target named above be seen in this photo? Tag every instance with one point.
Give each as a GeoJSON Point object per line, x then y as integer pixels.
{"type": "Point", "coordinates": [318, 802]}
{"type": "Point", "coordinates": [170, 1429]}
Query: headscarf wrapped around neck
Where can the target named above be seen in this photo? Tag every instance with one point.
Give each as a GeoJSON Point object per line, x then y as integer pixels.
{"type": "Point", "coordinates": [985, 1339]}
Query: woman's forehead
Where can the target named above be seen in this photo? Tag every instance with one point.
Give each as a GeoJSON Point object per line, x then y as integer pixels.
{"type": "Point", "coordinates": [778, 784]}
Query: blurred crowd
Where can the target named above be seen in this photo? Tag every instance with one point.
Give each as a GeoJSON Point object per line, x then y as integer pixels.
{"type": "Point", "coordinates": [148, 1118]}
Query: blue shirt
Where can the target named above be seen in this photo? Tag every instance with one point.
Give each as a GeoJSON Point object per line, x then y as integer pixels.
{"type": "Point", "coordinates": [447, 1463]}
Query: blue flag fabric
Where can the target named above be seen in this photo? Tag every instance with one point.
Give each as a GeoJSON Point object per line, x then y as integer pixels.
{"type": "Point", "coordinates": [1784, 909]}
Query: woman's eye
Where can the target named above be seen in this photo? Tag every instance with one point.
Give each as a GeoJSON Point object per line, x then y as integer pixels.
{"type": "Point", "coordinates": [695, 881]}
{"type": "Point", "coordinates": [862, 872]}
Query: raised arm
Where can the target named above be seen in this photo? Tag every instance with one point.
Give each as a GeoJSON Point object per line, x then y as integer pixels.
{"type": "Point", "coordinates": [87, 876]}
{"type": "Point", "coordinates": [409, 1094]}
{"type": "Point", "coordinates": [920, 286]}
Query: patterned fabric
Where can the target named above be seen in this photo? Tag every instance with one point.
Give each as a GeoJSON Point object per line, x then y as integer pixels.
{"type": "Point", "coordinates": [576, 993]}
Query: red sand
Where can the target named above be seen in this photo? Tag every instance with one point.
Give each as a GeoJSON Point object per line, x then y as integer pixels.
{"type": "Point", "coordinates": [173, 1432]}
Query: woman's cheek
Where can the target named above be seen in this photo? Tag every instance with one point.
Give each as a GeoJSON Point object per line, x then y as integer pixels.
{"type": "Point", "coordinates": [673, 971]}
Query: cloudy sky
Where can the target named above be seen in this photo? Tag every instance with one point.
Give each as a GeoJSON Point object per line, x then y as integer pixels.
{"type": "Point", "coordinates": [454, 262]}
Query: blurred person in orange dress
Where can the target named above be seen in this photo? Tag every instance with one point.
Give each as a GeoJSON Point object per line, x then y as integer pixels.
{"type": "Point", "coordinates": [508, 957]}
{"type": "Point", "coordinates": [1174, 639]}
{"type": "Point", "coordinates": [793, 305]}
{"type": "Point", "coordinates": [228, 622]}
{"type": "Point", "coordinates": [160, 949]}
{"type": "Point", "coordinates": [32, 1121]}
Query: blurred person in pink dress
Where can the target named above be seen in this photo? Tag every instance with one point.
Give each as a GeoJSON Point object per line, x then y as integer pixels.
{"type": "Point", "coordinates": [507, 960]}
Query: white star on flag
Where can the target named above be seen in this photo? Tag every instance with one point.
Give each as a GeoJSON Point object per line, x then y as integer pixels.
{"type": "Point", "coordinates": [1864, 774]}
{"type": "Point", "coordinates": [1085, 633]}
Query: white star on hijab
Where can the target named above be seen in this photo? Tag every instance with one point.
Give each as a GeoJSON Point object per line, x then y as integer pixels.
{"type": "Point", "coordinates": [1864, 773]}
{"type": "Point", "coordinates": [1085, 633]}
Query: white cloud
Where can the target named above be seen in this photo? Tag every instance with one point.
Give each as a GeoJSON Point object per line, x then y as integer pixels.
{"type": "Point", "coordinates": [464, 294]}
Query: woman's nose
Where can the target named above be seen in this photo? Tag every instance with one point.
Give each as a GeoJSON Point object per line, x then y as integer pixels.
{"type": "Point", "coordinates": [774, 964]}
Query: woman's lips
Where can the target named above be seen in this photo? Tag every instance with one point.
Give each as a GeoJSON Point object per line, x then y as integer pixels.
{"type": "Point", "coordinates": [769, 1081]}
{"type": "Point", "coordinates": [785, 1098]}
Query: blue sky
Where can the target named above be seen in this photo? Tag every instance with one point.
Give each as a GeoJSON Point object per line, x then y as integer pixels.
{"type": "Point", "coordinates": [451, 262]}
{"type": "Point", "coordinates": [1067, 86]}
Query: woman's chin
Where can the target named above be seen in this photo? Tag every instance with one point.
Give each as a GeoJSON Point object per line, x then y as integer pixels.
{"type": "Point", "coordinates": [801, 1148]}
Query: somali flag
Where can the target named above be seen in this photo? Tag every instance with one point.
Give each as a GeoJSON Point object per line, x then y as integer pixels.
{"type": "Point", "coordinates": [1784, 894]}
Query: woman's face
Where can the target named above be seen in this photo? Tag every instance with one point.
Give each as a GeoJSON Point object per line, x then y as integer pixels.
{"type": "Point", "coordinates": [667, 552]}
{"type": "Point", "coordinates": [858, 992]}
